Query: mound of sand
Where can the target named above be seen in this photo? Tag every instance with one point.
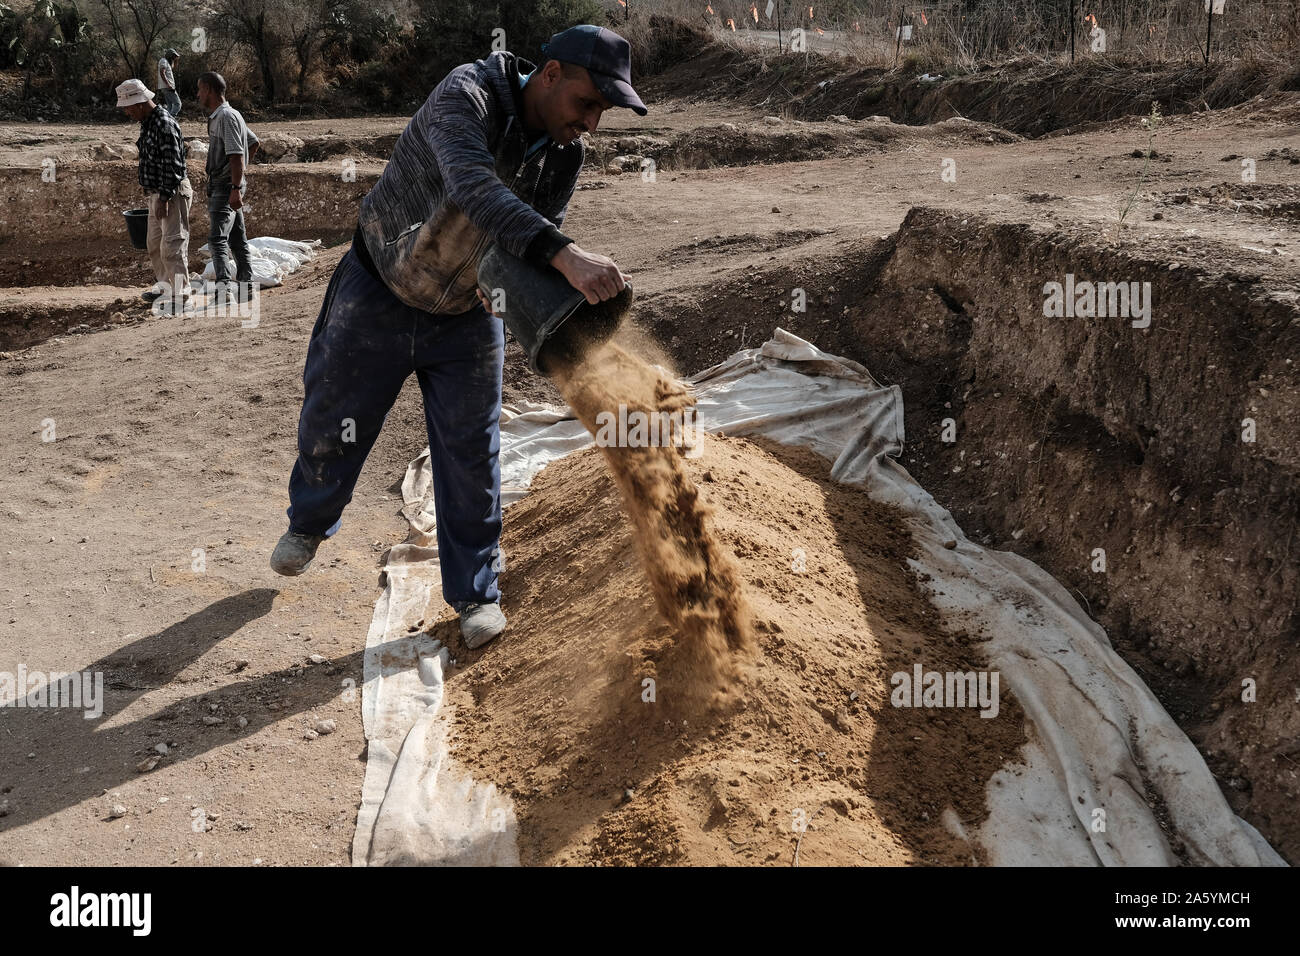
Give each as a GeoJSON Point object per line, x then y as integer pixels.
{"type": "Point", "coordinates": [581, 713]}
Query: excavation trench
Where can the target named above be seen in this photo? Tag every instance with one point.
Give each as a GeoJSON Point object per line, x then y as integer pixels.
{"type": "Point", "coordinates": [1028, 96]}
{"type": "Point", "coordinates": [1152, 470]}
{"type": "Point", "coordinates": [70, 231]}
{"type": "Point", "coordinates": [70, 267]}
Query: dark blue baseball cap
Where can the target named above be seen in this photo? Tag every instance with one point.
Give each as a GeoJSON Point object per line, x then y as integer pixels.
{"type": "Point", "coordinates": [605, 55]}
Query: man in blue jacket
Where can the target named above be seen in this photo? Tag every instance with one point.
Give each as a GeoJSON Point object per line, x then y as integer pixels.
{"type": "Point", "coordinates": [492, 155]}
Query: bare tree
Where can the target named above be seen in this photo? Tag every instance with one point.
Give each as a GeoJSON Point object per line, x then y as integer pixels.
{"type": "Point", "coordinates": [134, 26]}
{"type": "Point", "coordinates": [305, 24]}
{"type": "Point", "coordinates": [254, 24]}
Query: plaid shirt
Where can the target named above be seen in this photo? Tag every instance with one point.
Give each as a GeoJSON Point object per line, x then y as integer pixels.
{"type": "Point", "coordinates": [162, 153]}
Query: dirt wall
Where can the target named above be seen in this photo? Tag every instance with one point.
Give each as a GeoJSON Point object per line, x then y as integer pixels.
{"type": "Point", "coordinates": [1027, 96]}
{"type": "Point", "coordinates": [86, 200]}
{"type": "Point", "coordinates": [1089, 433]}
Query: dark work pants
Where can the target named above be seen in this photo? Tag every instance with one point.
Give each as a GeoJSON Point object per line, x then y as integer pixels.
{"type": "Point", "coordinates": [226, 237]}
{"type": "Point", "coordinates": [365, 344]}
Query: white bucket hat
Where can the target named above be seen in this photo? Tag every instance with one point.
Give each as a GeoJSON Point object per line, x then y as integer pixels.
{"type": "Point", "coordinates": [132, 92]}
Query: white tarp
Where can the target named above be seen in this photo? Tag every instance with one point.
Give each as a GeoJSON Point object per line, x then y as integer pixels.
{"type": "Point", "coordinates": [1097, 735]}
{"type": "Point", "coordinates": [271, 259]}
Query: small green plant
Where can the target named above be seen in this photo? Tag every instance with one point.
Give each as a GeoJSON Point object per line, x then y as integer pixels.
{"type": "Point", "coordinates": [1152, 123]}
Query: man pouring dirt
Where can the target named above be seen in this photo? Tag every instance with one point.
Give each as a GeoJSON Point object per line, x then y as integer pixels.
{"type": "Point", "coordinates": [492, 155]}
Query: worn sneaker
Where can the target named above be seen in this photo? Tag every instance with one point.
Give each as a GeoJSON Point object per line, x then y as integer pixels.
{"type": "Point", "coordinates": [150, 294]}
{"type": "Point", "coordinates": [479, 623]}
{"type": "Point", "coordinates": [294, 551]}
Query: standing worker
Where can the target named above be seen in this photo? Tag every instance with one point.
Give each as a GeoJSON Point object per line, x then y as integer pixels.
{"type": "Point", "coordinates": [167, 81]}
{"type": "Point", "coordinates": [229, 148]}
{"type": "Point", "coordinates": [405, 299]}
{"type": "Point", "coordinates": [168, 193]}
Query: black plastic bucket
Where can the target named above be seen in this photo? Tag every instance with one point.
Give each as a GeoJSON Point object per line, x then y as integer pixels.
{"type": "Point", "coordinates": [137, 226]}
{"type": "Point", "coordinates": [551, 319]}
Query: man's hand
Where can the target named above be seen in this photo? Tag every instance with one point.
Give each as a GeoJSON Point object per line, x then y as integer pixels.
{"type": "Point", "coordinates": [236, 199]}
{"type": "Point", "coordinates": [487, 303]}
{"type": "Point", "coordinates": [164, 205]}
{"type": "Point", "coordinates": [594, 275]}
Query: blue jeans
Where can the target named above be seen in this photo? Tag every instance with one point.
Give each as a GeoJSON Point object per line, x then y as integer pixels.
{"type": "Point", "coordinates": [365, 344]}
{"type": "Point", "coordinates": [226, 237]}
{"type": "Point", "coordinates": [172, 101]}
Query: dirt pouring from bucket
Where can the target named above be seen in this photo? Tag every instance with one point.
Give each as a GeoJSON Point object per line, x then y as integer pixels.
{"type": "Point", "coordinates": [694, 581]}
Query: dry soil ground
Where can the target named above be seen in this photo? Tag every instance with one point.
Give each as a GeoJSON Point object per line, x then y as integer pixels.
{"type": "Point", "coordinates": [136, 541]}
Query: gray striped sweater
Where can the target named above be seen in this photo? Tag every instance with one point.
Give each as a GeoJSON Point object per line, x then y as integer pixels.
{"type": "Point", "coordinates": [457, 180]}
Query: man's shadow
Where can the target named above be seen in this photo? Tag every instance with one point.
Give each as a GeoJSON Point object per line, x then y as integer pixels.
{"type": "Point", "coordinates": [52, 758]}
